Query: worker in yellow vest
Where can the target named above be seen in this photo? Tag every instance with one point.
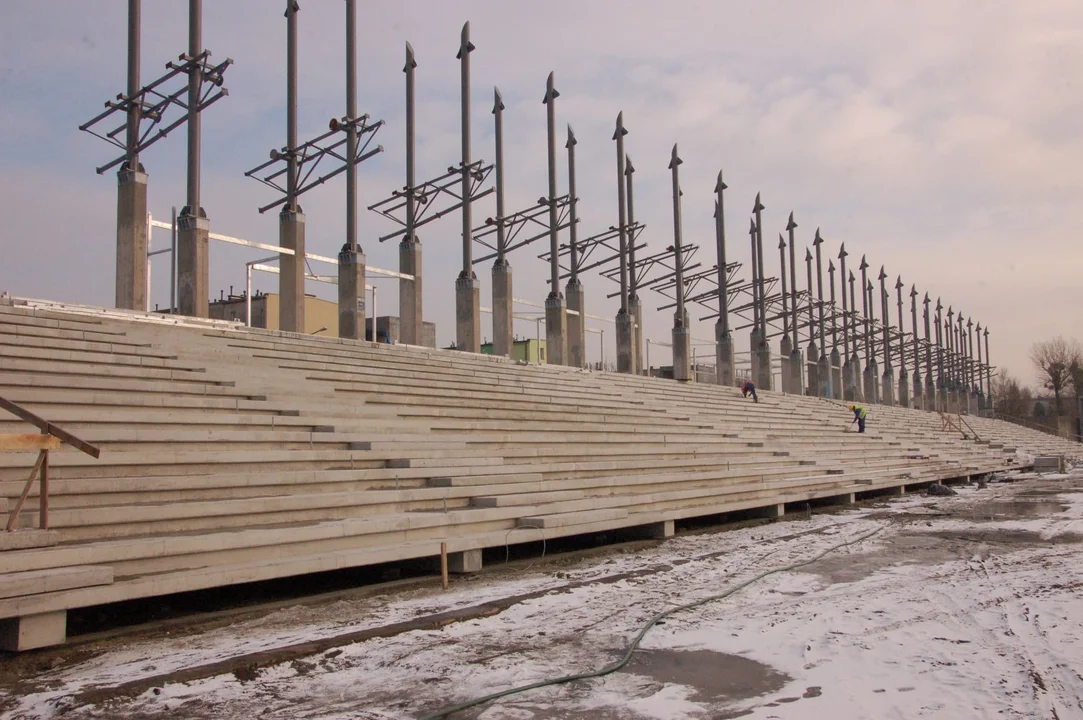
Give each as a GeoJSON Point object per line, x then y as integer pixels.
{"type": "Point", "coordinates": [860, 413]}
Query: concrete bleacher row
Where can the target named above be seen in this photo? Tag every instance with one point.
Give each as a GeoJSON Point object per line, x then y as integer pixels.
{"type": "Point", "coordinates": [232, 455]}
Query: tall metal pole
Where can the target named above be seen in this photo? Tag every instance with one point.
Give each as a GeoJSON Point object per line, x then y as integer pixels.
{"type": "Point", "coordinates": [914, 328]}
{"type": "Point", "coordinates": [853, 308]}
{"type": "Point", "coordinates": [941, 381]}
{"type": "Point", "coordinates": [755, 280]}
{"type": "Point", "coordinates": [195, 81]}
{"type": "Point", "coordinates": [785, 299]}
{"type": "Point", "coordinates": [949, 330]}
{"type": "Point", "coordinates": [411, 201]}
{"type": "Point", "coordinates": [465, 48]}
{"type": "Point", "coordinates": [467, 299]}
{"type": "Point", "coordinates": [724, 369]}
{"type": "Point", "coordinates": [989, 368]}
{"type": "Point", "coordinates": [635, 307]}
{"type": "Point", "coordinates": [577, 339]}
{"type": "Point", "coordinates": [681, 337]}
{"type": "Point", "coordinates": [865, 312]}
{"type": "Point", "coordinates": [981, 370]}
{"type": "Point", "coordinates": [410, 258]}
{"type": "Point", "coordinates": [626, 342]}
{"type": "Point", "coordinates": [135, 110]}
{"type": "Point", "coordinates": [817, 241]}
{"type": "Point", "coordinates": [291, 106]}
{"type": "Point", "coordinates": [556, 316]}
{"type": "Point", "coordinates": [720, 239]}
{"type": "Point", "coordinates": [834, 315]}
{"type": "Point", "coordinates": [291, 221]}
{"type": "Point", "coordinates": [551, 95]}
{"type": "Point", "coordinates": [790, 227]}
{"type": "Point", "coordinates": [622, 229]}
{"type": "Point", "coordinates": [758, 209]}
{"type": "Point", "coordinates": [885, 315]}
{"type": "Point", "coordinates": [352, 315]}
{"type": "Point", "coordinates": [969, 355]}
{"type": "Point", "coordinates": [501, 232]}
{"type": "Point", "coordinates": [811, 306]}
{"type": "Point", "coordinates": [573, 203]}
{"type": "Point", "coordinates": [503, 310]}
{"type": "Point", "coordinates": [928, 342]}
{"type": "Point", "coordinates": [899, 316]}
{"type": "Point", "coordinates": [845, 314]}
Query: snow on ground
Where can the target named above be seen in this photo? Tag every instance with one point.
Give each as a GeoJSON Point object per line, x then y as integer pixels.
{"type": "Point", "coordinates": [960, 607]}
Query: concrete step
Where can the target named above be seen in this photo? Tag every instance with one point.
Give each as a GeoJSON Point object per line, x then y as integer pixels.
{"type": "Point", "coordinates": [571, 518]}
{"type": "Point", "coordinates": [29, 538]}
{"type": "Point", "coordinates": [36, 582]}
{"type": "Point", "coordinates": [527, 498]}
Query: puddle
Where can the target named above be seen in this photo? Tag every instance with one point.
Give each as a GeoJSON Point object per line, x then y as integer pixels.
{"type": "Point", "coordinates": [714, 676]}
{"type": "Point", "coordinates": [1022, 538]}
{"type": "Point", "coordinates": [1012, 510]}
{"type": "Point", "coordinates": [904, 549]}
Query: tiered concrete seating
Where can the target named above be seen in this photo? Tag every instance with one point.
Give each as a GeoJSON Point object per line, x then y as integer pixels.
{"type": "Point", "coordinates": [233, 455]}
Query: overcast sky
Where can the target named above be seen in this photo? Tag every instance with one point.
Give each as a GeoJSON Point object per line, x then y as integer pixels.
{"type": "Point", "coordinates": [941, 139]}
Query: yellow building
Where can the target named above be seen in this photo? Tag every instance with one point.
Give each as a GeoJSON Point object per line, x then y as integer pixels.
{"type": "Point", "coordinates": [531, 351]}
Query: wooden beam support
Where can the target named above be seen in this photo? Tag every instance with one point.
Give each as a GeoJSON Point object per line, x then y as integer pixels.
{"type": "Point", "coordinates": [16, 442]}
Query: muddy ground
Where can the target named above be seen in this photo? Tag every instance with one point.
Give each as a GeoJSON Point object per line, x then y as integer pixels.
{"type": "Point", "coordinates": [964, 606]}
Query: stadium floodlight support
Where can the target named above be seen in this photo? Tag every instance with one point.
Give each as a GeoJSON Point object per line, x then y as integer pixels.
{"type": "Point", "coordinates": [147, 111]}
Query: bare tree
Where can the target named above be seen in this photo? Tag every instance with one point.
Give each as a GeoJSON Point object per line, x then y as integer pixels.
{"type": "Point", "coordinates": [1011, 398]}
{"type": "Point", "coordinates": [1053, 360]}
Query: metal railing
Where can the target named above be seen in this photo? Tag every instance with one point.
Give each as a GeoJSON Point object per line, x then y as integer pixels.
{"type": "Point", "coordinates": [1016, 420]}
{"type": "Point", "coordinates": [50, 438]}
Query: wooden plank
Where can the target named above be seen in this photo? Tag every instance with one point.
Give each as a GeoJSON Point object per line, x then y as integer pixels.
{"type": "Point", "coordinates": [28, 441]}
{"type": "Point", "coordinates": [47, 427]}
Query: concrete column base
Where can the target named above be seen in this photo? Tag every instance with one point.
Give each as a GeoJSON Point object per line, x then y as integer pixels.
{"type": "Point", "coordinates": [556, 330]}
{"type": "Point", "coordinates": [682, 353]}
{"type": "Point", "coordinates": [774, 511]}
{"type": "Point", "coordinates": [351, 294]}
{"type": "Point", "coordinates": [836, 374]}
{"type": "Point", "coordinates": [625, 340]}
{"type": "Point", "coordinates": [858, 378]}
{"type": "Point", "coordinates": [503, 334]}
{"type": "Point", "coordinates": [193, 266]}
{"type": "Point", "coordinates": [754, 356]}
{"type": "Point", "coordinates": [410, 308]}
{"type": "Point", "coordinates": [765, 379]}
{"type": "Point", "coordinates": [797, 372]}
{"type": "Point", "coordinates": [844, 499]}
{"type": "Point", "coordinates": [467, 314]}
{"type": "Point", "coordinates": [847, 381]}
{"type": "Point", "coordinates": [577, 325]}
{"type": "Point", "coordinates": [635, 309]}
{"type": "Point", "coordinates": [823, 374]}
{"type": "Point", "coordinates": [917, 401]}
{"type": "Point", "coordinates": [651, 531]}
{"type": "Point", "coordinates": [785, 349]}
{"type": "Point", "coordinates": [942, 401]}
{"type": "Point", "coordinates": [291, 276]}
{"type": "Point", "coordinates": [812, 362]}
{"type": "Point", "coordinates": [872, 387]}
{"type": "Point", "coordinates": [887, 387]}
{"type": "Point", "coordinates": [465, 562]}
{"type": "Point", "coordinates": [131, 279]}
{"type": "Point", "coordinates": [723, 357]}
{"type": "Point", "coordinates": [929, 396]}
{"type": "Point", "coordinates": [34, 631]}
{"type": "Point", "coordinates": [904, 389]}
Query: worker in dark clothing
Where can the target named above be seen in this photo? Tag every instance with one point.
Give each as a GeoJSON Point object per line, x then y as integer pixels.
{"type": "Point", "coordinates": [860, 413]}
{"type": "Point", "coordinates": [747, 388]}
